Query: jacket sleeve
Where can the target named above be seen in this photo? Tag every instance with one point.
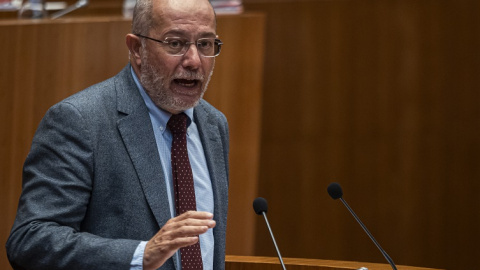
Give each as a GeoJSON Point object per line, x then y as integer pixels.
{"type": "Point", "coordinates": [57, 183]}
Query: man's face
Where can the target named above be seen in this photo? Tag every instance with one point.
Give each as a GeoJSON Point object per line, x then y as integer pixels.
{"type": "Point", "coordinates": [176, 83]}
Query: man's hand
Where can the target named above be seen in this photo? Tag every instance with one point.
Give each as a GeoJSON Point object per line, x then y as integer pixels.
{"type": "Point", "coordinates": [181, 231]}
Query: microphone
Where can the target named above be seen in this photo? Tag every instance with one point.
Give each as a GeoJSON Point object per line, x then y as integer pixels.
{"type": "Point", "coordinates": [260, 206]}
{"type": "Point", "coordinates": [335, 191]}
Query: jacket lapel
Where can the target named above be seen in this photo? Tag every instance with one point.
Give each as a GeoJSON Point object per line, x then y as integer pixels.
{"type": "Point", "coordinates": [136, 131]}
{"type": "Point", "coordinates": [217, 167]}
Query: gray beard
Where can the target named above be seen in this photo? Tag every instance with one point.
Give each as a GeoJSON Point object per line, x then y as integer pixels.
{"type": "Point", "coordinates": [155, 87]}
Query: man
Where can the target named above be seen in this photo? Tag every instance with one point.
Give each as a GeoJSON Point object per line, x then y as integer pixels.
{"type": "Point", "coordinates": [98, 187]}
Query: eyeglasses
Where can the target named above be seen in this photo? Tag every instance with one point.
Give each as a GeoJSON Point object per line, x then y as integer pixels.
{"type": "Point", "coordinates": [175, 46]}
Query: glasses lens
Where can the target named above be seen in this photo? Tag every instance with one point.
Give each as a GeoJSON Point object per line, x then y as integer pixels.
{"type": "Point", "coordinates": [207, 47]}
{"type": "Point", "coordinates": [175, 46]}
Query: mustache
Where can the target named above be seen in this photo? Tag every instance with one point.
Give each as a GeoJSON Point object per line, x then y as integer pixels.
{"type": "Point", "coordinates": [188, 75]}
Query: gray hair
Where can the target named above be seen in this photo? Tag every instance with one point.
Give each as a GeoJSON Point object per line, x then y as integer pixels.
{"type": "Point", "coordinates": [142, 17]}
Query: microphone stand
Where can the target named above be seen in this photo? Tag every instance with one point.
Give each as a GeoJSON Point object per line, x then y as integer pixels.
{"type": "Point", "coordinates": [384, 253]}
{"type": "Point", "coordinates": [274, 243]}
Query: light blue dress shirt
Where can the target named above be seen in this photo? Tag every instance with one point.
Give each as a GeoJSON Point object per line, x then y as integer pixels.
{"type": "Point", "coordinates": [201, 176]}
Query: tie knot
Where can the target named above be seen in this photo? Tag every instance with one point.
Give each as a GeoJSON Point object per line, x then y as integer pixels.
{"type": "Point", "coordinates": [178, 123]}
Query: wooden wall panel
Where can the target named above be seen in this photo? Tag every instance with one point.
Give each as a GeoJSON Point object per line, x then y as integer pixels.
{"type": "Point", "coordinates": [381, 96]}
{"type": "Point", "coordinates": [236, 91]}
{"type": "Point", "coordinates": [46, 61]}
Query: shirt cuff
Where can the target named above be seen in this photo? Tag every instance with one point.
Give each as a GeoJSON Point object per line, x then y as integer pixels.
{"type": "Point", "coordinates": [137, 260]}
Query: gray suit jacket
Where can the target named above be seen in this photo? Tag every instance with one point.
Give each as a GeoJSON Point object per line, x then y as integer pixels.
{"type": "Point", "coordinates": [93, 187]}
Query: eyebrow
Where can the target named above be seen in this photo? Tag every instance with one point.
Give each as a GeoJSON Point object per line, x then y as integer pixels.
{"type": "Point", "coordinates": [183, 33]}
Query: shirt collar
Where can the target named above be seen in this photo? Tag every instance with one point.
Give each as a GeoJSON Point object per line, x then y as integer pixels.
{"type": "Point", "coordinates": [160, 116]}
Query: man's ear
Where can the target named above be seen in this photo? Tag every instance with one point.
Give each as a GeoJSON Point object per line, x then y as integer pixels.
{"type": "Point", "coordinates": [134, 45]}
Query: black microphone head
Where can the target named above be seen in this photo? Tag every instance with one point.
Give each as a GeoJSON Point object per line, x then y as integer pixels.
{"type": "Point", "coordinates": [260, 205]}
{"type": "Point", "coordinates": [335, 190]}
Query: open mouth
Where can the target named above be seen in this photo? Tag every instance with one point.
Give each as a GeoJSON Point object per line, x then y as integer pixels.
{"type": "Point", "coordinates": [186, 83]}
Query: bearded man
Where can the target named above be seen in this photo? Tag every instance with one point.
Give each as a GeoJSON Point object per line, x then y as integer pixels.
{"type": "Point", "coordinates": [132, 173]}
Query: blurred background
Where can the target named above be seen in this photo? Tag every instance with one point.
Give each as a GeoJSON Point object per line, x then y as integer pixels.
{"type": "Point", "coordinates": [381, 96]}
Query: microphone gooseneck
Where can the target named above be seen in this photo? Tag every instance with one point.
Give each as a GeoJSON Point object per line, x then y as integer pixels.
{"type": "Point", "coordinates": [335, 191]}
{"type": "Point", "coordinates": [260, 206]}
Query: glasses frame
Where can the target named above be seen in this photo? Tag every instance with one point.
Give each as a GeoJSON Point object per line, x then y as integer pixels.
{"type": "Point", "coordinates": [187, 45]}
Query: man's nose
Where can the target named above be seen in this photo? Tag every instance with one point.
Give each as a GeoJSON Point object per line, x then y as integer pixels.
{"type": "Point", "coordinates": [192, 57]}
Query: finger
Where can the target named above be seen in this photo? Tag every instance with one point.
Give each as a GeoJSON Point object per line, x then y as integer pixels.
{"type": "Point", "coordinates": [185, 220]}
{"type": "Point", "coordinates": [184, 228]}
{"type": "Point", "coordinates": [196, 222]}
{"type": "Point", "coordinates": [186, 231]}
{"type": "Point", "coordinates": [184, 241]}
{"type": "Point", "coordinates": [173, 225]}
{"type": "Point", "coordinates": [195, 215]}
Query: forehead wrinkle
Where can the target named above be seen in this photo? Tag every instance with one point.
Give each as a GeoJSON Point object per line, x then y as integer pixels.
{"type": "Point", "coordinates": [184, 12]}
{"type": "Point", "coordinates": [184, 34]}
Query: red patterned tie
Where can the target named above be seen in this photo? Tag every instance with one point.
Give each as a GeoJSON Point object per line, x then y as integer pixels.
{"type": "Point", "coordinates": [191, 256]}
